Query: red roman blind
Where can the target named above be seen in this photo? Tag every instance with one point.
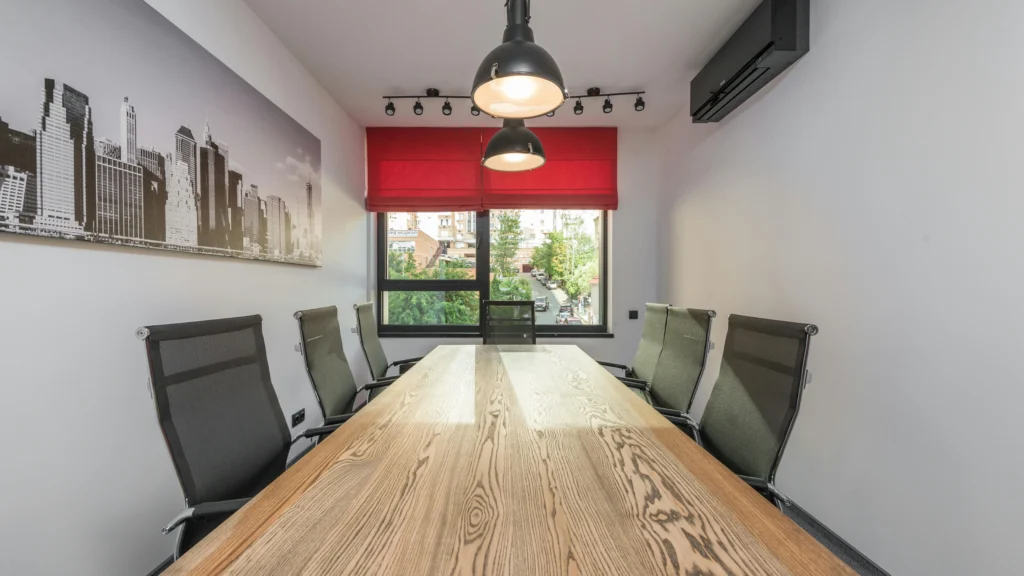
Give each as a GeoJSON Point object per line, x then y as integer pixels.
{"type": "Point", "coordinates": [435, 169]}
{"type": "Point", "coordinates": [580, 173]}
{"type": "Point", "coordinates": [422, 169]}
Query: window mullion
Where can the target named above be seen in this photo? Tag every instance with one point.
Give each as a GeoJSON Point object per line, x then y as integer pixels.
{"type": "Point", "coordinates": [483, 259]}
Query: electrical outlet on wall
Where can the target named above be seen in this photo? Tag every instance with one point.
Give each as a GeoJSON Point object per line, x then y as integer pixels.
{"type": "Point", "coordinates": [298, 418]}
{"type": "Point", "coordinates": [634, 315]}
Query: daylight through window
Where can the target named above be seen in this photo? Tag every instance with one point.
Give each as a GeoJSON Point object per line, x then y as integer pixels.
{"type": "Point", "coordinates": [435, 268]}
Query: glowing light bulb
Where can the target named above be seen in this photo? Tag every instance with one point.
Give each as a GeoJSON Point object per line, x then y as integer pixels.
{"type": "Point", "coordinates": [517, 87]}
{"type": "Point", "coordinates": [514, 157]}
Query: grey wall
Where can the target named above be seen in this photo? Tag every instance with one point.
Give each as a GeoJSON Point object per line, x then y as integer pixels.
{"type": "Point", "coordinates": [86, 479]}
{"type": "Point", "coordinates": [875, 190]}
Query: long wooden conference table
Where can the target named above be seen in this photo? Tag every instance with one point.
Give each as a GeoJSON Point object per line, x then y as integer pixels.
{"type": "Point", "coordinates": [508, 460]}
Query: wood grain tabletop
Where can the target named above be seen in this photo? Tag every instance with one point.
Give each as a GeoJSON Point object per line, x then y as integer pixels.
{"type": "Point", "coordinates": [530, 461]}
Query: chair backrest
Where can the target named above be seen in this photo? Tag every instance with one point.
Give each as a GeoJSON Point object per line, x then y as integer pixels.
{"type": "Point", "coordinates": [652, 339]}
{"type": "Point", "coordinates": [366, 323]}
{"type": "Point", "coordinates": [683, 358]}
{"type": "Point", "coordinates": [216, 406]}
{"type": "Point", "coordinates": [326, 365]}
{"type": "Point", "coordinates": [757, 395]}
{"type": "Point", "coordinates": [509, 322]}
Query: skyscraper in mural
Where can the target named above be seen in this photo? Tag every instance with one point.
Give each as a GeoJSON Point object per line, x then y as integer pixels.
{"type": "Point", "coordinates": [275, 226]}
{"type": "Point", "coordinates": [185, 151]}
{"type": "Point", "coordinates": [263, 242]}
{"type": "Point", "coordinates": [154, 193]}
{"type": "Point", "coordinates": [182, 217]}
{"type": "Point", "coordinates": [213, 191]}
{"type": "Point", "coordinates": [234, 210]}
{"type": "Point", "coordinates": [14, 185]}
{"type": "Point", "coordinates": [118, 198]}
{"type": "Point", "coordinates": [129, 142]}
{"type": "Point", "coordinates": [60, 153]}
{"type": "Point", "coordinates": [251, 219]}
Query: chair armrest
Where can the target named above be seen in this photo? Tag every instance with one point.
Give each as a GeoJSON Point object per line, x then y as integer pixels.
{"type": "Point", "coordinates": [754, 482]}
{"type": "Point", "coordinates": [205, 510]}
{"type": "Point", "coordinates": [637, 385]}
{"type": "Point", "coordinates": [316, 432]}
{"type": "Point", "coordinates": [340, 419]}
{"type": "Point", "coordinates": [409, 361]}
{"type": "Point", "coordinates": [671, 412]}
{"type": "Point", "coordinates": [379, 384]}
{"type": "Point", "coordinates": [763, 486]}
{"type": "Point", "coordinates": [613, 365]}
{"type": "Point", "coordinates": [689, 427]}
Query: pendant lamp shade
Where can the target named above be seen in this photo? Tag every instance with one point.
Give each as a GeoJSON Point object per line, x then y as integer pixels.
{"type": "Point", "coordinates": [518, 79]}
{"type": "Point", "coordinates": [514, 148]}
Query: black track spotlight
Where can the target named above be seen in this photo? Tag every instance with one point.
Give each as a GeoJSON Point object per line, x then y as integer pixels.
{"type": "Point", "coordinates": [514, 148]}
{"type": "Point", "coordinates": [607, 106]}
{"type": "Point", "coordinates": [390, 108]}
{"type": "Point", "coordinates": [578, 109]}
{"type": "Point", "coordinates": [417, 108]}
{"type": "Point", "coordinates": [446, 109]}
{"type": "Point", "coordinates": [474, 110]}
{"type": "Point", "coordinates": [639, 104]}
{"type": "Point", "coordinates": [518, 79]}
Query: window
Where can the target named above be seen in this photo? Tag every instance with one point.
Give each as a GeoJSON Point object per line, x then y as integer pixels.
{"type": "Point", "coordinates": [434, 269]}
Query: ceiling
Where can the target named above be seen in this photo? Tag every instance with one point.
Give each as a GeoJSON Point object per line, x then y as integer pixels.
{"type": "Point", "coordinates": [362, 50]}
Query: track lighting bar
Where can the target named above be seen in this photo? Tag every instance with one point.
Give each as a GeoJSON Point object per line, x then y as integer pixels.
{"type": "Point", "coordinates": [603, 95]}
{"type": "Point", "coordinates": [443, 97]}
{"type": "Point", "coordinates": [434, 93]}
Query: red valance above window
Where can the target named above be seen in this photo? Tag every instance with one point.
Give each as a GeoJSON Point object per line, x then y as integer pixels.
{"type": "Point", "coordinates": [422, 169]}
{"type": "Point", "coordinates": [436, 169]}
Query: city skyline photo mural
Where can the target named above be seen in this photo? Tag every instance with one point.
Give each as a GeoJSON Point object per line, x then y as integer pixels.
{"type": "Point", "coordinates": [117, 128]}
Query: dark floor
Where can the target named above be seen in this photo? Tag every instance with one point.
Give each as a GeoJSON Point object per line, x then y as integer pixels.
{"type": "Point", "coordinates": [860, 563]}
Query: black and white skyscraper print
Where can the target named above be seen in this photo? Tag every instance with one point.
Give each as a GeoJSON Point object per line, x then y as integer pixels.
{"type": "Point", "coordinates": [82, 168]}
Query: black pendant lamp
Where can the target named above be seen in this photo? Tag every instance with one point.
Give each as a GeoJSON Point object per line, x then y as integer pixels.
{"type": "Point", "coordinates": [518, 79]}
{"type": "Point", "coordinates": [514, 148]}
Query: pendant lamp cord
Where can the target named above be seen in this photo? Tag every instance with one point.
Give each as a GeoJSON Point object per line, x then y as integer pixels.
{"type": "Point", "coordinates": [518, 11]}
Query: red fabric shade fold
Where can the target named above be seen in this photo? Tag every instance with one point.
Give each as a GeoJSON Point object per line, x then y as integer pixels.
{"type": "Point", "coordinates": [439, 169]}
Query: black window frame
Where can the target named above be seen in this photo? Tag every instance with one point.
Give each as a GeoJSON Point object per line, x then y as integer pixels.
{"type": "Point", "coordinates": [481, 285]}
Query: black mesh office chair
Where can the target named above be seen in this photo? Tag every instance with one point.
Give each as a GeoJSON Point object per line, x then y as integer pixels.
{"type": "Point", "coordinates": [682, 361]}
{"type": "Point", "coordinates": [652, 340]}
{"type": "Point", "coordinates": [509, 322]}
{"type": "Point", "coordinates": [755, 401]}
{"type": "Point", "coordinates": [219, 415]}
{"type": "Point", "coordinates": [366, 325]}
{"type": "Point", "coordinates": [328, 369]}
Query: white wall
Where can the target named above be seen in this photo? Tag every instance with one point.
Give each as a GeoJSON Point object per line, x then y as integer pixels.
{"type": "Point", "coordinates": [632, 259]}
{"type": "Point", "coordinates": [86, 479]}
{"type": "Point", "coordinates": [875, 190]}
